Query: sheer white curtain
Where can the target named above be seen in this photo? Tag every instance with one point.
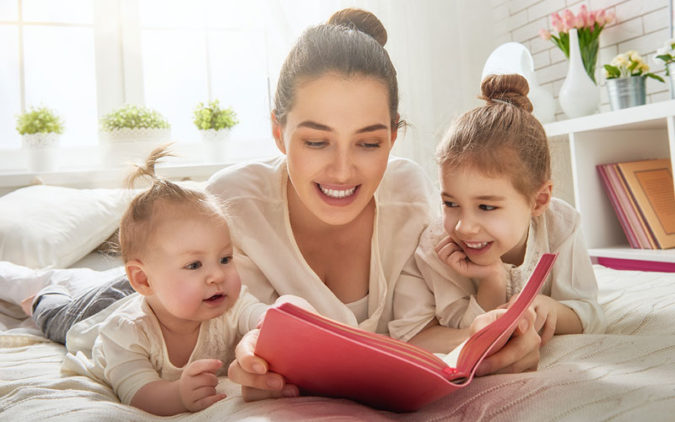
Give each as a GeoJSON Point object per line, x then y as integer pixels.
{"type": "Point", "coordinates": [437, 46]}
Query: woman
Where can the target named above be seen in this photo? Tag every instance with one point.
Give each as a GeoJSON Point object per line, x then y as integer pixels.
{"type": "Point", "coordinates": [334, 220]}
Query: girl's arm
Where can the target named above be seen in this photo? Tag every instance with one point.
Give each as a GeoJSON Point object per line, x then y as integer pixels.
{"type": "Point", "coordinates": [521, 352]}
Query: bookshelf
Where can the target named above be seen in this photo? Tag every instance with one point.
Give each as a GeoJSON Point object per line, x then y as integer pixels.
{"type": "Point", "coordinates": [636, 133]}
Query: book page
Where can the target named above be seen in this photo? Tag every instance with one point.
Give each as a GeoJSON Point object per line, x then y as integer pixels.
{"type": "Point", "coordinates": [451, 358]}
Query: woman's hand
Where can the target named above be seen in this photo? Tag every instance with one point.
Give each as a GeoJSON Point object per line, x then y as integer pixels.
{"type": "Point", "coordinates": [252, 373]}
{"type": "Point", "coordinates": [519, 354]}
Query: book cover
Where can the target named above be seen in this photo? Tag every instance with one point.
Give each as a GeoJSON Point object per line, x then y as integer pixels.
{"type": "Point", "coordinates": [625, 208]}
{"type": "Point", "coordinates": [324, 357]}
{"type": "Point", "coordinates": [650, 183]}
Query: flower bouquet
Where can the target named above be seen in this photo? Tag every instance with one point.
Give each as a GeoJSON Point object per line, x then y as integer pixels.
{"type": "Point", "coordinates": [589, 24]}
{"type": "Point", "coordinates": [667, 54]}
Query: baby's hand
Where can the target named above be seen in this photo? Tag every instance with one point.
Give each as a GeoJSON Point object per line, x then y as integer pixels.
{"type": "Point", "coordinates": [198, 383]}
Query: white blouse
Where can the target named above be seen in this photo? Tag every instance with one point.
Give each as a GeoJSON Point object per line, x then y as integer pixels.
{"type": "Point", "coordinates": [270, 262]}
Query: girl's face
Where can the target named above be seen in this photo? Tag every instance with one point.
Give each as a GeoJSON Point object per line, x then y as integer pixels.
{"type": "Point", "coordinates": [486, 216]}
{"type": "Point", "coordinates": [189, 268]}
{"type": "Point", "coordinates": [337, 139]}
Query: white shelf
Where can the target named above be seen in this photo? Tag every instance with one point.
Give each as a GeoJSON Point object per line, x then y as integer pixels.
{"type": "Point", "coordinates": [626, 252]}
{"type": "Point", "coordinates": [636, 133]}
{"type": "Point", "coordinates": [649, 116]}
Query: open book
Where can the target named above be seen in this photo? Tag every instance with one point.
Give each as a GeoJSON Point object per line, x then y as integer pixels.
{"type": "Point", "coordinates": [327, 358]}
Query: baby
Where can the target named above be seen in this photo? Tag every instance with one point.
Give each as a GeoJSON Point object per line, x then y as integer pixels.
{"type": "Point", "coordinates": [162, 349]}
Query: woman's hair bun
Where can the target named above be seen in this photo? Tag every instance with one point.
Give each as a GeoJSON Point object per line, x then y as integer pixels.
{"type": "Point", "coordinates": [511, 89]}
{"type": "Point", "coordinates": [361, 20]}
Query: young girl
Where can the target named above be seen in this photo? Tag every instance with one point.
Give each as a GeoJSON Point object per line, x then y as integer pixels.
{"type": "Point", "coordinates": [499, 218]}
{"type": "Point", "coordinates": [162, 349]}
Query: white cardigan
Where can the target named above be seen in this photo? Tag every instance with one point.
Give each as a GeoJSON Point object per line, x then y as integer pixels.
{"type": "Point", "coordinates": [270, 262]}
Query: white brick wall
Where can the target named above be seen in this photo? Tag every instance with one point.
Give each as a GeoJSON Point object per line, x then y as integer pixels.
{"type": "Point", "coordinates": [641, 25]}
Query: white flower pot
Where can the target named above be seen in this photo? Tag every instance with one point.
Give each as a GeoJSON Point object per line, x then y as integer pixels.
{"type": "Point", "coordinates": [137, 135]}
{"type": "Point", "coordinates": [40, 148]}
{"type": "Point", "coordinates": [215, 144]}
{"type": "Point", "coordinates": [578, 96]}
{"type": "Point", "coordinates": [121, 147]}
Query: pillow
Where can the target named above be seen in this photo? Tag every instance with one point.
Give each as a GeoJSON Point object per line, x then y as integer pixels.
{"type": "Point", "coordinates": [53, 227]}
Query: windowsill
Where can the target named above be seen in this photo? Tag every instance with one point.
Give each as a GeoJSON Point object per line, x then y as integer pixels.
{"type": "Point", "coordinates": [96, 166]}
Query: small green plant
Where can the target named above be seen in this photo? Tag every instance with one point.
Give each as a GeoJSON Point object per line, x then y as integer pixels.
{"type": "Point", "coordinates": [39, 120]}
{"type": "Point", "coordinates": [211, 116]}
{"type": "Point", "coordinates": [133, 117]}
{"type": "Point", "coordinates": [629, 64]}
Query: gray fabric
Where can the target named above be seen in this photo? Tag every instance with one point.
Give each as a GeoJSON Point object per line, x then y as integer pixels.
{"type": "Point", "coordinates": [55, 310]}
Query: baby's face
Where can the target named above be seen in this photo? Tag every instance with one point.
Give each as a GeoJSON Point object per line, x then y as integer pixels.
{"type": "Point", "coordinates": [190, 268]}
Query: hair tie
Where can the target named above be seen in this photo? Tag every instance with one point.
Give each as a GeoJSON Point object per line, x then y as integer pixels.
{"type": "Point", "coordinates": [497, 100]}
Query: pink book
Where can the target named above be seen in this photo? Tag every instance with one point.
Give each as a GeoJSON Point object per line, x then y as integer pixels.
{"type": "Point", "coordinates": [324, 357]}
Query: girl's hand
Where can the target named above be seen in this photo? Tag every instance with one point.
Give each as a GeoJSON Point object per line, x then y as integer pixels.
{"type": "Point", "coordinates": [252, 373]}
{"type": "Point", "coordinates": [491, 278]}
{"type": "Point", "coordinates": [452, 254]}
{"type": "Point", "coordinates": [519, 354]}
{"type": "Point", "coordinates": [197, 385]}
{"type": "Point", "coordinates": [547, 317]}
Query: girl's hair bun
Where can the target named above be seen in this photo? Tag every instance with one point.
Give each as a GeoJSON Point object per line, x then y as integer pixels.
{"type": "Point", "coordinates": [361, 20]}
{"type": "Point", "coordinates": [510, 89]}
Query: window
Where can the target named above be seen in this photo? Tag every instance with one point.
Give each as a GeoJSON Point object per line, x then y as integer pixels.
{"type": "Point", "coordinates": [84, 58]}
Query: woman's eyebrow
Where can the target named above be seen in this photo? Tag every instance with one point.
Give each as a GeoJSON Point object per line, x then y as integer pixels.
{"type": "Point", "coordinates": [314, 125]}
{"type": "Point", "coordinates": [372, 128]}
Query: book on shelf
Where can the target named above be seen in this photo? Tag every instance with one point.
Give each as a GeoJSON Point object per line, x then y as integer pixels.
{"type": "Point", "coordinates": [327, 358]}
{"type": "Point", "coordinates": [643, 198]}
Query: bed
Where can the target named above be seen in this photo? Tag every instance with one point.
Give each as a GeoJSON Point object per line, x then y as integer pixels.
{"type": "Point", "coordinates": [626, 374]}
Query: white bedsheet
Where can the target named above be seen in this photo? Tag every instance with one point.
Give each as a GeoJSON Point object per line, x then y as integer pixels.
{"type": "Point", "coordinates": [627, 374]}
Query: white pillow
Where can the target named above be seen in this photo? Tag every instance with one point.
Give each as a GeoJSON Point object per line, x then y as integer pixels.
{"type": "Point", "coordinates": [53, 227]}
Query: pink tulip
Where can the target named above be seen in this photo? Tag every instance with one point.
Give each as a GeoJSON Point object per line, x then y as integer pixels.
{"type": "Point", "coordinates": [583, 17]}
{"type": "Point", "coordinates": [556, 22]}
{"type": "Point", "coordinates": [545, 34]}
{"type": "Point", "coordinates": [569, 20]}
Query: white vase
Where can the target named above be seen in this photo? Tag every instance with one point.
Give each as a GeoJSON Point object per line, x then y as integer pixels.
{"type": "Point", "coordinates": [40, 148]}
{"type": "Point", "coordinates": [215, 144]}
{"type": "Point", "coordinates": [578, 96]}
{"type": "Point", "coordinates": [123, 146]}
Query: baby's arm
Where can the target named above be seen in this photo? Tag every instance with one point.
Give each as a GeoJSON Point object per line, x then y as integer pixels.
{"type": "Point", "coordinates": [194, 391]}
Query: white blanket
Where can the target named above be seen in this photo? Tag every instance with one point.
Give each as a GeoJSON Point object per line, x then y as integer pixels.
{"type": "Point", "coordinates": [627, 374]}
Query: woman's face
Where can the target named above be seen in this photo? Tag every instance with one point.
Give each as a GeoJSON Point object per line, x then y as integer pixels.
{"type": "Point", "coordinates": [337, 139]}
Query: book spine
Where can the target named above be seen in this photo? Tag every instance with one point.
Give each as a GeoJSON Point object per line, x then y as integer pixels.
{"type": "Point", "coordinates": [618, 208]}
{"type": "Point", "coordinates": [630, 208]}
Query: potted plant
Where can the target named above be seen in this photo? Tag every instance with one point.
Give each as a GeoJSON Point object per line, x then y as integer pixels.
{"type": "Point", "coordinates": [667, 55]}
{"type": "Point", "coordinates": [626, 76]}
{"type": "Point", "coordinates": [132, 123]}
{"type": "Point", "coordinates": [39, 129]}
{"type": "Point", "coordinates": [214, 123]}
